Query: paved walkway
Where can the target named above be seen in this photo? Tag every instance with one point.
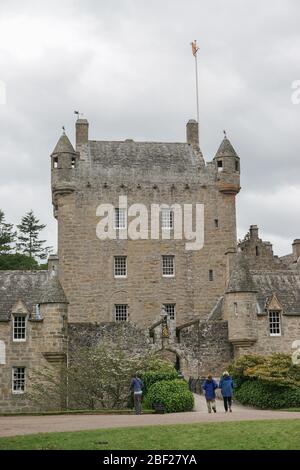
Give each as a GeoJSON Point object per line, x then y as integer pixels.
{"type": "Point", "coordinates": [21, 425]}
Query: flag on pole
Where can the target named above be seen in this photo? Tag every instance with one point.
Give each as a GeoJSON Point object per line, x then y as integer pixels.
{"type": "Point", "coordinates": [195, 48]}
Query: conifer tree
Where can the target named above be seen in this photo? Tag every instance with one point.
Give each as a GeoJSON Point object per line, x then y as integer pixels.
{"type": "Point", "coordinates": [28, 237]}
{"type": "Point", "coordinates": [7, 235]}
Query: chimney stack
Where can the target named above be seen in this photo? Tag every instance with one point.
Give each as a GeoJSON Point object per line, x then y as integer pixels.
{"type": "Point", "coordinates": [53, 266]}
{"type": "Point", "coordinates": [192, 132]}
{"type": "Point", "coordinates": [82, 133]}
{"type": "Point", "coordinates": [254, 232]}
{"type": "Point", "coordinates": [296, 249]}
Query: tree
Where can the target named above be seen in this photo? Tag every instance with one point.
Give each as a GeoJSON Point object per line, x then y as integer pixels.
{"type": "Point", "coordinates": [96, 377]}
{"type": "Point", "coordinates": [28, 237]}
{"type": "Point", "coordinates": [17, 261]}
{"type": "Point", "coordinates": [7, 235]}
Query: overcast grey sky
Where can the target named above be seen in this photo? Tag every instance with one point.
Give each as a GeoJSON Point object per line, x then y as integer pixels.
{"type": "Point", "coordinates": [127, 65]}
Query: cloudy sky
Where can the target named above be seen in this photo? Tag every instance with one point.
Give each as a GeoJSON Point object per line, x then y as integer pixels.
{"type": "Point", "coordinates": [127, 65]}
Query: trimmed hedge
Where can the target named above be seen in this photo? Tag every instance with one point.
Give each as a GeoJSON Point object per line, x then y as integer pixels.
{"type": "Point", "coordinates": [265, 395]}
{"type": "Point", "coordinates": [173, 394]}
{"type": "Point", "coordinates": [151, 377]}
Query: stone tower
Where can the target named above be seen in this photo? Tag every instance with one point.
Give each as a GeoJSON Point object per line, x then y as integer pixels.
{"type": "Point", "coordinates": [240, 304]}
{"type": "Point", "coordinates": [99, 172]}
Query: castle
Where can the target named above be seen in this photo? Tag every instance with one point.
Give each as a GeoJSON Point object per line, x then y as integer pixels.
{"type": "Point", "coordinates": [197, 307]}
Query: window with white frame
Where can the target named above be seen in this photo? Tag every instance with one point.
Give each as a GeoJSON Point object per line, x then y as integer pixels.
{"type": "Point", "coordinates": [121, 313]}
{"type": "Point", "coordinates": [120, 218]}
{"type": "Point", "coordinates": [274, 323]}
{"type": "Point", "coordinates": [18, 379]}
{"type": "Point", "coordinates": [167, 219]}
{"type": "Point", "coordinates": [19, 328]}
{"type": "Point", "coordinates": [168, 267]}
{"type": "Point", "coordinates": [170, 310]}
{"type": "Point", "coordinates": [120, 267]}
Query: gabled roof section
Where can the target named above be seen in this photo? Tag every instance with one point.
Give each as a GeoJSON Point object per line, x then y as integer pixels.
{"type": "Point", "coordinates": [63, 145]}
{"type": "Point", "coordinates": [20, 307]}
{"type": "Point", "coordinates": [52, 292]}
{"type": "Point", "coordinates": [168, 158]}
{"type": "Point", "coordinates": [240, 278]}
{"type": "Point", "coordinates": [226, 149]}
{"type": "Point", "coordinates": [216, 313]}
{"type": "Point", "coordinates": [24, 286]}
{"type": "Point", "coordinates": [273, 303]}
{"type": "Point", "coordinates": [285, 285]}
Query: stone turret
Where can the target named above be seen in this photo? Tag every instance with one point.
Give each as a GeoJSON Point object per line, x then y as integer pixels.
{"type": "Point", "coordinates": [228, 168]}
{"type": "Point", "coordinates": [240, 304]}
{"type": "Point", "coordinates": [53, 307]}
{"type": "Point", "coordinates": [64, 161]}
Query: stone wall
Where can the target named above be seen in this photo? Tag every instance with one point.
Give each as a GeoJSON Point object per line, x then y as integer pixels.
{"type": "Point", "coordinates": [45, 345]}
{"type": "Point", "coordinates": [205, 348]}
{"type": "Point", "coordinates": [259, 254]}
{"type": "Point", "coordinates": [130, 338]}
{"type": "Point", "coordinates": [266, 344]}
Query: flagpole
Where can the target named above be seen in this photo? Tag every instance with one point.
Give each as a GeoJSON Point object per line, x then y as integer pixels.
{"type": "Point", "coordinates": [197, 86]}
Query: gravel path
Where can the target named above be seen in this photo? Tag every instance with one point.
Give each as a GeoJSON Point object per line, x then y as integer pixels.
{"type": "Point", "coordinates": [21, 425]}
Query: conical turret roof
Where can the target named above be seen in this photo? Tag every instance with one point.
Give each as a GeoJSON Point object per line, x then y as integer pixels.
{"type": "Point", "coordinates": [63, 145]}
{"type": "Point", "coordinates": [226, 149]}
{"type": "Point", "coordinates": [240, 278]}
{"type": "Point", "coordinates": [52, 292]}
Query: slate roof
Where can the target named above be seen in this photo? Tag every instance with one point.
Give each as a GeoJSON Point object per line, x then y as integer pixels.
{"type": "Point", "coordinates": [286, 286]}
{"type": "Point", "coordinates": [216, 313]}
{"type": "Point", "coordinates": [226, 149]}
{"type": "Point", "coordinates": [32, 287]}
{"type": "Point", "coordinates": [63, 145]}
{"type": "Point", "coordinates": [52, 292]}
{"type": "Point", "coordinates": [167, 157]}
{"type": "Point", "coordinates": [240, 279]}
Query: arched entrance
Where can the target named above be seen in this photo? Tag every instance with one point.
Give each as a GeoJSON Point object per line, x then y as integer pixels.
{"type": "Point", "coordinates": [174, 357]}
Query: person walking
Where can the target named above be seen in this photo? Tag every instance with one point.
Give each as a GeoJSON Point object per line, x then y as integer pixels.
{"type": "Point", "coordinates": [137, 386]}
{"type": "Point", "coordinates": [226, 386]}
{"type": "Point", "coordinates": [209, 388]}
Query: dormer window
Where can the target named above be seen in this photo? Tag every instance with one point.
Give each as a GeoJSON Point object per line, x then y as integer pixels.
{"type": "Point", "coordinates": [274, 323]}
{"type": "Point", "coordinates": [220, 165]}
{"type": "Point", "coordinates": [19, 328]}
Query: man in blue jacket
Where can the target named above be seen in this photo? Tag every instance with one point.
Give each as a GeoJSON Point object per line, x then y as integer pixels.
{"type": "Point", "coordinates": [137, 385]}
{"type": "Point", "coordinates": [226, 386]}
{"type": "Point", "coordinates": [209, 388]}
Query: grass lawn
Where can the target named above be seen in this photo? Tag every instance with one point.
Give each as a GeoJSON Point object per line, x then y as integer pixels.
{"type": "Point", "coordinates": [247, 435]}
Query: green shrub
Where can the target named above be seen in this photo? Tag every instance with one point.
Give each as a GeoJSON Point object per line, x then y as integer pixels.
{"type": "Point", "coordinates": [173, 394]}
{"type": "Point", "coordinates": [276, 369]}
{"type": "Point", "coordinates": [151, 377]}
{"type": "Point", "coordinates": [265, 395]}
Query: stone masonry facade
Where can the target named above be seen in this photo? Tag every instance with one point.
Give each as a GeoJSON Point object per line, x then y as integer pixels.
{"type": "Point", "coordinates": [222, 300]}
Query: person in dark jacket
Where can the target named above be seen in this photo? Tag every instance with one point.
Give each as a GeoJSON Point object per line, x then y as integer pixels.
{"type": "Point", "coordinates": [226, 386]}
{"type": "Point", "coordinates": [209, 388]}
{"type": "Point", "coordinates": [137, 385]}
